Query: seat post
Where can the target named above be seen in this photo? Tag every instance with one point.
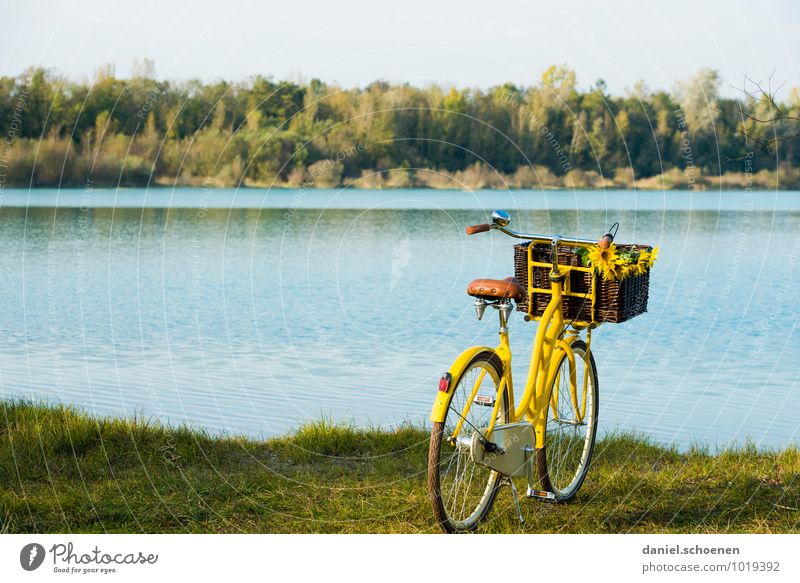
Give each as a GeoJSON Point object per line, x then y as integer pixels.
{"type": "Point", "coordinates": [504, 309]}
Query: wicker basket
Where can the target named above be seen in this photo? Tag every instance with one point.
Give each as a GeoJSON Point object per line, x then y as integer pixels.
{"type": "Point", "coordinates": [616, 301]}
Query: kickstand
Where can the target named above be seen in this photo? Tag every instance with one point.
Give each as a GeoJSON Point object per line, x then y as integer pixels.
{"type": "Point", "coordinates": [510, 482]}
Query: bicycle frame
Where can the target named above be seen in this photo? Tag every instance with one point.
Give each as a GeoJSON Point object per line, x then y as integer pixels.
{"type": "Point", "coordinates": [552, 336]}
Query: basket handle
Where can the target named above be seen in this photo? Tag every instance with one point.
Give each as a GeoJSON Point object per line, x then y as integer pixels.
{"type": "Point", "coordinates": [473, 229]}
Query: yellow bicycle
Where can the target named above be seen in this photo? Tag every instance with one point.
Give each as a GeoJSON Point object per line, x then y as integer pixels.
{"type": "Point", "coordinates": [481, 437]}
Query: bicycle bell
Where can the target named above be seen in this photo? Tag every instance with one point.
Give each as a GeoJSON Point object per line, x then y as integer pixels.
{"type": "Point", "coordinates": [500, 218]}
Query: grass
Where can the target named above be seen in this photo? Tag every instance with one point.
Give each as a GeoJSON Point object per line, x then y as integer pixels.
{"type": "Point", "coordinates": [63, 471]}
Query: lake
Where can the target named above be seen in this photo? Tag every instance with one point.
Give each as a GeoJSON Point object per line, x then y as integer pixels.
{"type": "Point", "coordinates": [251, 311]}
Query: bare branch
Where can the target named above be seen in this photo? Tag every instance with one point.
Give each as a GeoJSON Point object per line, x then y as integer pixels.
{"type": "Point", "coordinates": [756, 98]}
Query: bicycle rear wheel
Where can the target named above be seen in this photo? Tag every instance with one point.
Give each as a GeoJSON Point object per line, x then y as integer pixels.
{"type": "Point", "coordinates": [461, 491]}
{"type": "Point", "coordinates": [570, 433]}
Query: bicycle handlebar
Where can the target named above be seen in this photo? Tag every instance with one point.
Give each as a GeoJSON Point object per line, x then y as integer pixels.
{"type": "Point", "coordinates": [603, 243]}
{"type": "Point", "coordinates": [557, 238]}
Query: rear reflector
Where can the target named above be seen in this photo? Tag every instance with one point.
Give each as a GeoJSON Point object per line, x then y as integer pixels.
{"type": "Point", "coordinates": [444, 382]}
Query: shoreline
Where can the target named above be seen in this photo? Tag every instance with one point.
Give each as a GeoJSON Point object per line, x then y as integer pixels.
{"type": "Point", "coordinates": [254, 187]}
{"type": "Point", "coordinates": [65, 471]}
{"type": "Point", "coordinates": [473, 179]}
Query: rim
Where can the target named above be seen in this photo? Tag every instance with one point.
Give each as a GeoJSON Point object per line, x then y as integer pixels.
{"type": "Point", "coordinates": [569, 435]}
{"type": "Point", "coordinates": [466, 488]}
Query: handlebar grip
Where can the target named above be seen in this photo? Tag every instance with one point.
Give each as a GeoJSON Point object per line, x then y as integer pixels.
{"type": "Point", "coordinates": [473, 229]}
{"type": "Point", "coordinates": [605, 241]}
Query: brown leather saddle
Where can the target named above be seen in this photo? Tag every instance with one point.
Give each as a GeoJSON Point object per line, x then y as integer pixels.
{"type": "Point", "coordinates": [496, 289]}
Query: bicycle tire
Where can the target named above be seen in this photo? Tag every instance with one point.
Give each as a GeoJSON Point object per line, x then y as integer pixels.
{"type": "Point", "coordinates": [449, 520]}
{"type": "Point", "coordinates": [554, 467]}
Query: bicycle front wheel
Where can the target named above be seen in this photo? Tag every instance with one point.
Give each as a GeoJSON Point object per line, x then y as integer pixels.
{"type": "Point", "coordinates": [571, 427]}
{"type": "Point", "coordinates": [461, 491]}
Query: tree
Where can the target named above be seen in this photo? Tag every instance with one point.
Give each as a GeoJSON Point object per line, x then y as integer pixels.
{"type": "Point", "coordinates": [699, 100]}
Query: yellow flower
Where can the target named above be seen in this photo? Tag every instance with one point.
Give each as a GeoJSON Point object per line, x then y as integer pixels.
{"type": "Point", "coordinates": [652, 256]}
{"type": "Point", "coordinates": [632, 269]}
{"type": "Point", "coordinates": [604, 260]}
{"type": "Point", "coordinates": [639, 268]}
{"type": "Point", "coordinates": [609, 272]}
{"type": "Point", "coordinates": [643, 262]}
{"type": "Point", "coordinates": [614, 267]}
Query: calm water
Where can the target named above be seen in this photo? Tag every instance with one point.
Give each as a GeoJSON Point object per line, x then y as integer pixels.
{"type": "Point", "coordinates": [251, 311]}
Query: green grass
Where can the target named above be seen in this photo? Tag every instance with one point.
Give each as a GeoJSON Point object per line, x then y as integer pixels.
{"type": "Point", "coordinates": [63, 471]}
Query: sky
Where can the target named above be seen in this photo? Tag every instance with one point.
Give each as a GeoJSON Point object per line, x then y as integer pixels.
{"type": "Point", "coordinates": [463, 43]}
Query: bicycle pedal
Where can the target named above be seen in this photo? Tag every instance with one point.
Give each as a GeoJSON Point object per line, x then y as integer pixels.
{"type": "Point", "coordinates": [540, 494]}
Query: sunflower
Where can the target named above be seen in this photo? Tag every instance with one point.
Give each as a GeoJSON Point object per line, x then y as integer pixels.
{"type": "Point", "coordinates": [652, 256]}
{"type": "Point", "coordinates": [604, 260]}
{"type": "Point", "coordinates": [616, 266]}
{"type": "Point", "coordinates": [622, 269]}
{"type": "Point", "coordinates": [640, 267]}
{"type": "Point", "coordinates": [634, 269]}
{"type": "Point", "coordinates": [643, 263]}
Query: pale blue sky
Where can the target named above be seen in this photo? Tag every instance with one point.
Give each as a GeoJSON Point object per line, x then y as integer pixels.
{"type": "Point", "coordinates": [467, 43]}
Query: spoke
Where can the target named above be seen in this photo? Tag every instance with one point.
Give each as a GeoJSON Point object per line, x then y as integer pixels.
{"type": "Point", "coordinates": [464, 486]}
{"type": "Point", "coordinates": [467, 491]}
{"type": "Point", "coordinates": [454, 489]}
{"type": "Point", "coordinates": [450, 463]}
{"type": "Point", "coordinates": [563, 444]}
{"type": "Point", "coordinates": [568, 439]}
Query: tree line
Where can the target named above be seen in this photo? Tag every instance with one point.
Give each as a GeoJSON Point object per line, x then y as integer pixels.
{"type": "Point", "coordinates": [142, 130]}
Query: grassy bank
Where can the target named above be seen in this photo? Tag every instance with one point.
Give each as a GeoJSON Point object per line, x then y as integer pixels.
{"type": "Point", "coordinates": [62, 471]}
